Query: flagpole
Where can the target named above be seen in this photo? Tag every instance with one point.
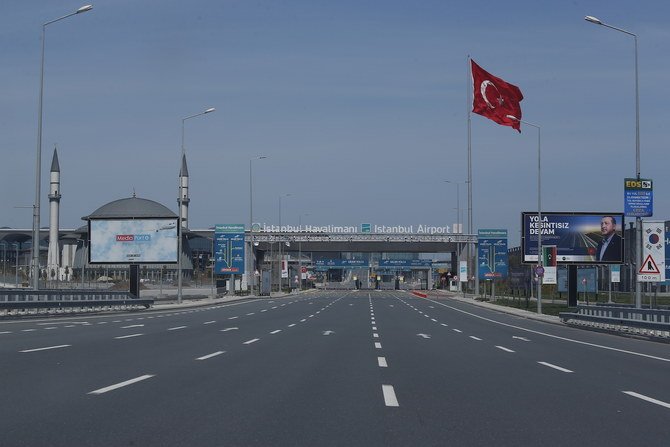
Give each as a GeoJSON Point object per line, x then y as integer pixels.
{"type": "Point", "coordinates": [470, 229]}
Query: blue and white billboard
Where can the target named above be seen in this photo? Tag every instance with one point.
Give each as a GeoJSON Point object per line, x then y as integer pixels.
{"type": "Point", "coordinates": [135, 241]}
{"type": "Point", "coordinates": [229, 249]}
{"type": "Point", "coordinates": [493, 262]}
{"type": "Point", "coordinates": [416, 263]}
{"type": "Point", "coordinates": [638, 197]}
{"type": "Point", "coordinates": [580, 238]}
{"type": "Point", "coordinates": [341, 263]}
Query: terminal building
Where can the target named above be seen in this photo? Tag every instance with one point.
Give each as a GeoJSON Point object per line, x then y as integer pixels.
{"type": "Point", "coordinates": [356, 256]}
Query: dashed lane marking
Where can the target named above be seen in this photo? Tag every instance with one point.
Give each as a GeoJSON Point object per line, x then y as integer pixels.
{"type": "Point", "coordinates": [121, 384]}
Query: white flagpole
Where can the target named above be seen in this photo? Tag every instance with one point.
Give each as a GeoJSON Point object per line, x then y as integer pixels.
{"type": "Point", "coordinates": [471, 249]}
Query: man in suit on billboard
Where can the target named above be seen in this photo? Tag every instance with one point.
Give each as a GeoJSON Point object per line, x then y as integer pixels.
{"type": "Point", "coordinates": [610, 247]}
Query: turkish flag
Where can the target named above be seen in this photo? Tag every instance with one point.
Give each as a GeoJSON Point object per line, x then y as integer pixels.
{"type": "Point", "coordinates": [495, 98]}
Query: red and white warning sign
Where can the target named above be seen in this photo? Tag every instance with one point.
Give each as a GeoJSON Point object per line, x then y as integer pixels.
{"type": "Point", "coordinates": [653, 252]}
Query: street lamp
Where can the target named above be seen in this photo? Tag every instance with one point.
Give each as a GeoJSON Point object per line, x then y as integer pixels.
{"type": "Point", "coordinates": [540, 261]}
{"type": "Point", "coordinates": [35, 250]}
{"type": "Point", "coordinates": [181, 198]}
{"type": "Point", "coordinates": [458, 205]}
{"type": "Point", "coordinates": [251, 223]}
{"type": "Point", "coordinates": [300, 250]}
{"type": "Point", "coordinates": [638, 220]}
{"type": "Point", "coordinates": [281, 269]}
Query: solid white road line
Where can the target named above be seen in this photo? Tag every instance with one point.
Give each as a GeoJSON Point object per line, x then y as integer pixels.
{"type": "Point", "coordinates": [122, 384]}
{"type": "Point", "coordinates": [382, 362]}
{"type": "Point", "coordinates": [253, 340]}
{"type": "Point", "coordinates": [647, 398]}
{"type": "Point", "coordinates": [475, 338]}
{"type": "Point", "coordinates": [504, 349]}
{"type": "Point", "coordinates": [555, 367]}
{"type": "Point", "coordinates": [177, 328]}
{"type": "Point", "coordinates": [209, 356]}
{"type": "Point", "coordinates": [46, 348]}
{"type": "Point", "coordinates": [132, 325]}
{"type": "Point", "coordinates": [128, 336]}
{"type": "Point", "coordinates": [275, 332]}
{"type": "Point", "coordinates": [378, 345]}
{"type": "Point", "coordinates": [389, 396]}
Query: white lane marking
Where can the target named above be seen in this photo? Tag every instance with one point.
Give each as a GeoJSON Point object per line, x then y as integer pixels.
{"type": "Point", "coordinates": [594, 345]}
{"type": "Point", "coordinates": [264, 310]}
{"type": "Point", "coordinates": [276, 332]}
{"type": "Point", "coordinates": [229, 329]}
{"type": "Point", "coordinates": [132, 325]}
{"type": "Point", "coordinates": [555, 367]}
{"type": "Point", "coordinates": [177, 328]}
{"type": "Point", "coordinates": [128, 336]}
{"type": "Point", "coordinates": [69, 325]}
{"type": "Point", "coordinates": [444, 324]}
{"type": "Point", "coordinates": [647, 398]}
{"type": "Point", "coordinates": [433, 319]}
{"type": "Point", "coordinates": [46, 348]}
{"type": "Point", "coordinates": [233, 318]}
{"type": "Point", "coordinates": [457, 330]}
{"type": "Point", "coordinates": [9, 332]}
{"type": "Point", "coordinates": [274, 307]}
{"type": "Point", "coordinates": [209, 322]}
{"type": "Point", "coordinates": [311, 316]}
{"type": "Point", "coordinates": [251, 313]}
{"type": "Point", "coordinates": [103, 322]}
{"type": "Point", "coordinates": [116, 321]}
{"type": "Point", "coordinates": [28, 330]}
{"type": "Point", "coordinates": [520, 338]}
{"type": "Point", "coordinates": [253, 340]}
{"type": "Point", "coordinates": [209, 356]}
{"type": "Point", "coordinates": [475, 338]}
{"type": "Point", "coordinates": [375, 335]}
{"type": "Point", "coordinates": [49, 328]}
{"type": "Point", "coordinates": [504, 348]}
{"type": "Point", "coordinates": [374, 328]}
{"type": "Point", "coordinates": [382, 362]}
{"type": "Point", "coordinates": [303, 320]}
{"type": "Point", "coordinates": [291, 325]}
{"type": "Point", "coordinates": [122, 384]}
{"type": "Point", "coordinates": [378, 345]}
{"type": "Point", "coordinates": [389, 396]}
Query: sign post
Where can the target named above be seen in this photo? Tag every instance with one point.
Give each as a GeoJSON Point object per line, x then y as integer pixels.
{"type": "Point", "coordinates": [652, 268]}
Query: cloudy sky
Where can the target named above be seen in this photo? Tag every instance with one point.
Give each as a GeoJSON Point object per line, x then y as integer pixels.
{"type": "Point", "coordinates": [360, 107]}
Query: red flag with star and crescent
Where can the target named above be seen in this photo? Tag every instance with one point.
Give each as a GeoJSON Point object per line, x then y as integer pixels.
{"type": "Point", "coordinates": [494, 98]}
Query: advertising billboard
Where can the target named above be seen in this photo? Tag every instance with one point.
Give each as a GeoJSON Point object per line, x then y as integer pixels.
{"type": "Point", "coordinates": [580, 238]}
{"type": "Point", "coordinates": [134, 241]}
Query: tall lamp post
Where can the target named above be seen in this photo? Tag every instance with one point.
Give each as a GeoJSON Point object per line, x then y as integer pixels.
{"type": "Point", "coordinates": [252, 273]}
{"type": "Point", "coordinates": [638, 220]}
{"type": "Point", "coordinates": [181, 197]}
{"type": "Point", "coordinates": [35, 249]}
{"type": "Point", "coordinates": [300, 250]}
{"type": "Point", "coordinates": [281, 269]}
{"type": "Point", "coordinates": [540, 261]}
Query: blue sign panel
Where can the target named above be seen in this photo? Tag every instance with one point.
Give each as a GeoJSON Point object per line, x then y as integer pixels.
{"type": "Point", "coordinates": [425, 263]}
{"type": "Point", "coordinates": [341, 263]}
{"type": "Point", "coordinates": [229, 249]}
{"type": "Point", "coordinates": [638, 197]}
{"type": "Point", "coordinates": [586, 279]}
{"type": "Point", "coordinates": [492, 254]}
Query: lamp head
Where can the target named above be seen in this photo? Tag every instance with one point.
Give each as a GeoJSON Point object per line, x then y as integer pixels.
{"type": "Point", "coordinates": [84, 9]}
{"type": "Point", "coordinates": [593, 20]}
{"type": "Point", "coordinates": [211, 109]}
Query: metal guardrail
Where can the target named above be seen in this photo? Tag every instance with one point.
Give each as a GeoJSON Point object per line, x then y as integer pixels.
{"type": "Point", "coordinates": [652, 322]}
{"type": "Point", "coordinates": [58, 300]}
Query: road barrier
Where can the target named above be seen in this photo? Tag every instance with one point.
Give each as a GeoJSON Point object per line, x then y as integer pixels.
{"type": "Point", "coordinates": [622, 318]}
{"type": "Point", "coordinates": [20, 302]}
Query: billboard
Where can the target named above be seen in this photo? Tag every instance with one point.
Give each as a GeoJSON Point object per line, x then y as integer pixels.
{"type": "Point", "coordinates": [132, 241]}
{"type": "Point", "coordinates": [580, 238]}
{"type": "Point", "coordinates": [229, 248]}
{"type": "Point", "coordinates": [492, 254]}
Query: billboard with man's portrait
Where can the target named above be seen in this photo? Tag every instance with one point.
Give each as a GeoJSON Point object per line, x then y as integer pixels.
{"type": "Point", "coordinates": [580, 238]}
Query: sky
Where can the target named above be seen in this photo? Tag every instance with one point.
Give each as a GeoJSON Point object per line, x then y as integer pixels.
{"type": "Point", "coordinates": [359, 106]}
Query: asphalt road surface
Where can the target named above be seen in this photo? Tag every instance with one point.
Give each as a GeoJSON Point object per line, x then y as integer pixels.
{"type": "Point", "coordinates": [359, 368]}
